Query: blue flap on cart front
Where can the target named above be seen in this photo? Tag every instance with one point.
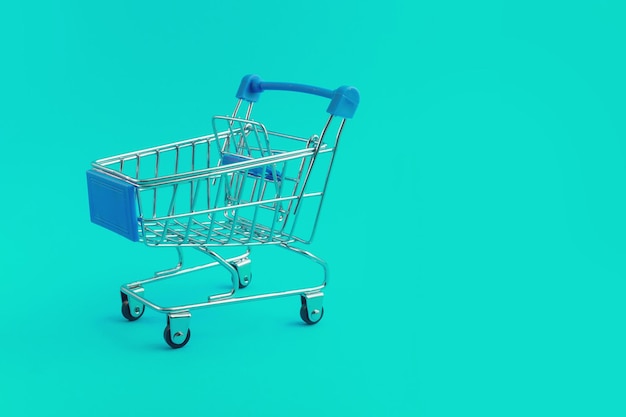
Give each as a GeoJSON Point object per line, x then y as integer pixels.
{"type": "Point", "coordinates": [113, 204]}
{"type": "Point", "coordinates": [266, 172]}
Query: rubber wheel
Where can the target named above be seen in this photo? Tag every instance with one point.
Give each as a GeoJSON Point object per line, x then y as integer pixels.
{"type": "Point", "coordinates": [168, 338]}
{"type": "Point", "coordinates": [304, 313]}
{"type": "Point", "coordinates": [126, 309]}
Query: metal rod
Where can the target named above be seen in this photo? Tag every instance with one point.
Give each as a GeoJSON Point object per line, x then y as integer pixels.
{"type": "Point", "coordinates": [227, 298]}
{"type": "Point", "coordinates": [178, 270]}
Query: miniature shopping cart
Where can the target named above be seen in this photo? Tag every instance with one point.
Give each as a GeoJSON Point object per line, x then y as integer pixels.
{"type": "Point", "coordinates": [243, 185]}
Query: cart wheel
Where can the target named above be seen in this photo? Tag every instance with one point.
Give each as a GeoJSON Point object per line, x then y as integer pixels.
{"type": "Point", "coordinates": [245, 282]}
{"type": "Point", "coordinates": [168, 338]}
{"type": "Point", "coordinates": [128, 315]}
{"type": "Point", "coordinates": [304, 313]}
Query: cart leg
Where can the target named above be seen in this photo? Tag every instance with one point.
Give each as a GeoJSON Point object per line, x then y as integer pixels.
{"type": "Point", "coordinates": [175, 269]}
{"type": "Point", "coordinates": [234, 274]}
{"type": "Point", "coordinates": [315, 259]}
{"type": "Point", "coordinates": [177, 331]}
{"type": "Point", "coordinates": [312, 309]}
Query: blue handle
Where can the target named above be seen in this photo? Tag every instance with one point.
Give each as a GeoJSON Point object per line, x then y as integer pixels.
{"type": "Point", "coordinates": [343, 101]}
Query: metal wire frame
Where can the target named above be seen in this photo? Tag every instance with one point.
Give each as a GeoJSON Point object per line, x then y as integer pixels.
{"type": "Point", "coordinates": [225, 298]}
{"type": "Point", "coordinates": [213, 215]}
{"type": "Point", "coordinates": [187, 195]}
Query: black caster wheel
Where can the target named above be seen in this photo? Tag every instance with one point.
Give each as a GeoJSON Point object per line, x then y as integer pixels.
{"type": "Point", "coordinates": [168, 338]}
{"type": "Point", "coordinates": [126, 309]}
{"type": "Point", "coordinates": [304, 313]}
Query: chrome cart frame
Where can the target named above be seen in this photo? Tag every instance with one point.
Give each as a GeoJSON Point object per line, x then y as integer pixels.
{"type": "Point", "coordinates": [242, 186]}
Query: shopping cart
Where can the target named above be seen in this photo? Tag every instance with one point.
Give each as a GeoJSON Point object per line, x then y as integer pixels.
{"type": "Point", "coordinates": [241, 186]}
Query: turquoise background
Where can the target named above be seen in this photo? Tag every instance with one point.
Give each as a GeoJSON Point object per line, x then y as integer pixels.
{"type": "Point", "coordinates": [474, 223]}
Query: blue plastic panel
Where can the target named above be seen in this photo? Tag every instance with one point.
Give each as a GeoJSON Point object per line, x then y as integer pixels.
{"type": "Point", "coordinates": [263, 171]}
{"type": "Point", "coordinates": [112, 204]}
